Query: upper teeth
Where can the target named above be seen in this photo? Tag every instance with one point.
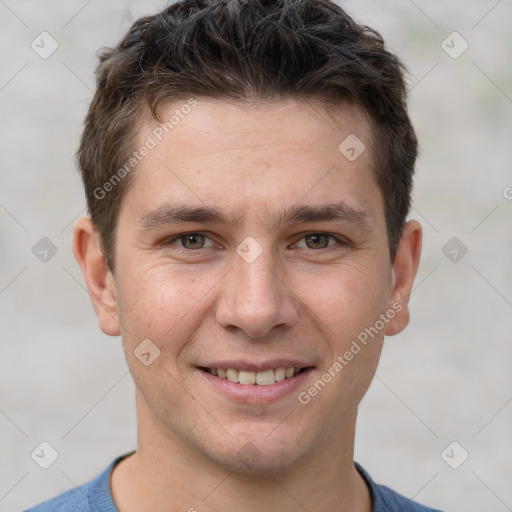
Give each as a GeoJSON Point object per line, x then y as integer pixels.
{"type": "Point", "coordinates": [264, 378]}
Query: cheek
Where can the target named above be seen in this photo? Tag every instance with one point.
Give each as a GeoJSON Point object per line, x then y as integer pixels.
{"type": "Point", "coordinates": [350, 301]}
{"type": "Point", "coordinates": [160, 306]}
{"type": "Point", "coordinates": [349, 309]}
{"type": "Point", "coordinates": [166, 304]}
{"type": "Point", "coordinates": [153, 303]}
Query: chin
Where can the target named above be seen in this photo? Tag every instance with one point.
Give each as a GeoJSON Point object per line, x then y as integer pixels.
{"type": "Point", "coordinates": [250, 460]}
{"type": "Point", "coordinates": [258, 453]}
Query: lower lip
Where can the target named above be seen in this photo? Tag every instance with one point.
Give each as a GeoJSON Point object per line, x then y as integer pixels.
{"type": "Point", "coordinates": [253, 393]}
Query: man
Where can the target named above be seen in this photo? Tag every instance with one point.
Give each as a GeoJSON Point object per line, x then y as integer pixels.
{"type": "Point", "coordinates": [248, 168]}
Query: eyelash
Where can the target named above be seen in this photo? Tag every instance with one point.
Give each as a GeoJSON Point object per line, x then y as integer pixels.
{"type": "Point", "coordinates": [340, 241]}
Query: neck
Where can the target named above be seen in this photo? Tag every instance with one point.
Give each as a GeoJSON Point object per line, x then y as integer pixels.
{"type": "Point", "coordinates": [165, 474]}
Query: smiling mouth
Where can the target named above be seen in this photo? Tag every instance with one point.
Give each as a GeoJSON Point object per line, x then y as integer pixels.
{"type": "Point", "coordinates": [263, 378]}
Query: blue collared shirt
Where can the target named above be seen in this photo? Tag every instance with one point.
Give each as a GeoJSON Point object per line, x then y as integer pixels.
{"type": "Point", "coordinates": [95, 496]}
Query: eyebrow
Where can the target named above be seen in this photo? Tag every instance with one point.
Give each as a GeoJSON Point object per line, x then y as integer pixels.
{"type": "Point", "coordinates": [170, 214]}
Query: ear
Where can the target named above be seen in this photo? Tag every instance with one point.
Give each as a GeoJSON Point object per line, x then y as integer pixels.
{"type": "Point", "coordinates": [404, 271]}
{"type": "Point", "coordinates": [99, 279]}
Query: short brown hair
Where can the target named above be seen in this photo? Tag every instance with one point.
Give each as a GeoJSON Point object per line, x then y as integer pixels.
{"type": "Point", "coordinates": [238, 50]}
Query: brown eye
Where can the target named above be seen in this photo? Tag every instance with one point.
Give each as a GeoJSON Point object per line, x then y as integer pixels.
{"type": "Point", "coordinates": [317, 240]}
{"type": "Point", "coordinates": [192, 241]}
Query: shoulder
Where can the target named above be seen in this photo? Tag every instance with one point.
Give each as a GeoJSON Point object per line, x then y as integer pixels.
{"type": "Point", "coordinates": [391, 500]}
{"type": "Point", "coordinates": [388, 500]}
{"type": "Point", "coordinates": [75, 500]}
{"type": "Point", "coordinates": [90, 497]}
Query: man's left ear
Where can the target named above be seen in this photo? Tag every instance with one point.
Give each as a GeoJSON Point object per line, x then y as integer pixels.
{"type": "Point", "coordinates": [404, 271]}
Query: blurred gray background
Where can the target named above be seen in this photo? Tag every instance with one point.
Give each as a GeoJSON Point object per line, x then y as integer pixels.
{"type": "Point", "coordinates": [445, 379]}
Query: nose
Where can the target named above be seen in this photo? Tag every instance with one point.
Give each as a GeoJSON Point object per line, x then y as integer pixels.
{"type": "Point", "coordinates": [256, 298]}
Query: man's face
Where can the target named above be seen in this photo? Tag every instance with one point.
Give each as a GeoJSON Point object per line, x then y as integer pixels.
{"type": "Point", "coordinates": [254, 287]}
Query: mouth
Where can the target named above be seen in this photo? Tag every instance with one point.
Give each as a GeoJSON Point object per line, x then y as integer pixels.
{"type": "Point", "coordinates": [255, 378]}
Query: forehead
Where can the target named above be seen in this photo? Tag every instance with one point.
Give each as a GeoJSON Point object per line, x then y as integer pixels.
{"type": "Point", "coordinates": [272, 153]}
{"type": "Point", "coordinates": [207, 123]}
{"type": "Point", "coordinates": [305, 120]}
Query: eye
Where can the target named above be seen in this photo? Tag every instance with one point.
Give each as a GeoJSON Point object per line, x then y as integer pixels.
{"type": "Point", "coordinates": [320, 240]}
{"type": "Point", "coordinates": [192, 241]}
{"type": "Point", "coordinates": [197, 241]}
